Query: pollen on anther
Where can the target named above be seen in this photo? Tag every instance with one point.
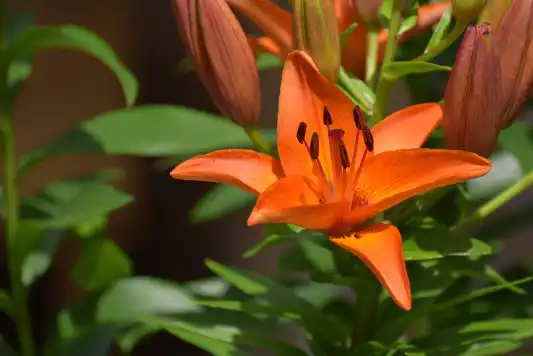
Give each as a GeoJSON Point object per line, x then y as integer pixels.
{"type": "Point", "coordinates": [326, 116]}
{"type": "Point", "coordinates": [345, 161]}
{"type": "Point", "coordinates": [300, 134]}
{"type": "Point", "coordinates": [368, 138]}
{"type": "Point", "coordinates": [358, 117]}
{"type": "Point", "coordinates": [314, 147]}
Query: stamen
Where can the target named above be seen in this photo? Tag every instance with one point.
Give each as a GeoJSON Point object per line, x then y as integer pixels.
{"type": "Point", "coordinates": [368, 138]}
{"type": "Point", "coordinates": [358, 117]}
{"type": "Point", "coordinates": [315, 147]}
{"type": "Point", "coordinates": [326, 116]}
{"type": "Point", "coordinates": [345, 161]}
{"type": "Point", "coordinates": [300, 134]}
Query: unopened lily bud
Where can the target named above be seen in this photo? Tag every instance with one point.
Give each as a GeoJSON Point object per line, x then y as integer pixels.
{"type": "Point", "coordinates": [215, 42]}
{"type": "Point", "coordinates": [467, 10]}
{"type": "Point", "coordinates": [514, 43]}
{"type": "Point", "coordinates": [316, 31]}
{"type": "Point", "coordinates": [368, 11]}
{"type": "Point", "coordinates": [471, 119]}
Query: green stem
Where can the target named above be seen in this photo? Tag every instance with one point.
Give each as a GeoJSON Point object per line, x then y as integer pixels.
{"type": "Point", "coordinates": [366, 308]}
{"type": "Point", "coordinates": [372, 49]}
{"type": "Point", "coordinates": [257, 139]}
{"type": "Point", "coordinates": [19, 310]}
{"type": "Point", "coordinates": [385, 84]}
{"type": "Point", "coordinates": [497, 202]}
{"type": "Point", "coordinates": [446, 42]}
{"type": "Point", "coordinates": [395, 23]}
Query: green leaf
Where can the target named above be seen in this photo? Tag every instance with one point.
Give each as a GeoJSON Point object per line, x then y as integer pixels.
{"type": "Point", "coordinates": [135, 298]}
{"type": "Point", "coordinates": [398, 70]}
{"type": "Point", "coordinates": [220, 201]}
{"type": "Point", "coordinates": [209, 343]}
{"type": "Point", "coordinates": [347, 33]}
{"type": "Point", "coordinates": [280, 297]}
{"type": "Point", "coordinates": [482, 338]}
{"type": "Point", "coordinates": [152, 130]}
{"type": "Point", "coordinates": [102, 263]}
{"type": "Point", "coordinates": [221, 338]}
{"type": "Point", "coordinates": [389, 332]}
{"type": "Point", "coordinates": [6, 349]}
{"type": "Point", "coordinates": [320, 257]}
{"type": "Point", "coordinates": [431, 240]}
{"type": "Point", "coordinates": [518, 140]}
{"type": "Point", "coordinates": [94, 341]}
{"type": "Point", "coordinates": [358, 86]}
{"type": "Point", "coordinates": [5, 301]}
{"type": "Point", "coordinates": [268, 61]}
{"type": "Point", "coordinates": [73, 38]}
{"type": "Point", "coordinates": [275, 234]}
{"type": "Point", "coordinates": [440, 29]}
{"type": "Point", "coordinates": [40, 257]}
{"type": "Point", "coordinates": [65, 204]}
{"type": "Point", "coordinates": [132, 337]}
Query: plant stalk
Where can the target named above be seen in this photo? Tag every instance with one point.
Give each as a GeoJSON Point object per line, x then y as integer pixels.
{"type": "Point", "coordinates": [366, 308]}
{"type": "Point", "coordinates": [372, 50]}
{"type": "Point", "coordinates": [497, 202]}
{"type": "Point", "coordinates": [384, 84]}
{"type": "Point", "coordinates": [258, 140]}
{"type": "Point", "coordinates": [446, 42]}
{"type": "Point", "coordinates": [19, 311]}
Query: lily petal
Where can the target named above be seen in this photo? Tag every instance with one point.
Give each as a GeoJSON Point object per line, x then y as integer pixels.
{"type": "Point", "coordinates": [407, 128]}
{"type": "Point", "coordinates": [392, 177]}
{"type": "Point", "coordinates": [379, 246]}
{"type": "Point", "coordinates": [304, 93]}
{"type": "Point", "coordinates": [270, 18]}
{"type": "Point", "coordinates": [265, 45]}
{"type": "Point", "coordinates": [246, 169]}
{"type": "Point", "coordinates": [296, 200]}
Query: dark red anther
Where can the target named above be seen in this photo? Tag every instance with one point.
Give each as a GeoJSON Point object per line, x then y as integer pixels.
{"type": "Point", "coordinates": [368, 138]}
{"type": "Point", "coordinates": [300, 134]}
{"type": "Point", "coordinates": [358, 117]}
{"type": "Point", "coordinates": [314, 147]}
{"type": "Point", "coordinates": [326, 116]}
{"type": "Point", "coordinates": [345, 161]}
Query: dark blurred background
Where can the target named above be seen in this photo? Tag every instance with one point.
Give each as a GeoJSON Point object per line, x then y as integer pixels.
{"type": "Point", "coordinates": [68, 87]}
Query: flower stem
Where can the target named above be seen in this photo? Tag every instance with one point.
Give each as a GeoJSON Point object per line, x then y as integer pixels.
{"type": "Point", "coordinates": [384, 84]}
{"type": "Point", "coordinates": [497, 202]}
{"type": "Point", "coordinates": [372, 48]}
{"type": "Point", "coordinates": [19, 309]}
{"type": "Point", "coordinates": [257, 139]}
{"type": "Point", "coordinates": [366, 308]}
{"type": "Point", "coordinates": [446, 42]}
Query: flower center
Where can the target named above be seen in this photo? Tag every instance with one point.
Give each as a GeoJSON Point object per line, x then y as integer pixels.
{"type": "Point", "coordinates": [341, 183]}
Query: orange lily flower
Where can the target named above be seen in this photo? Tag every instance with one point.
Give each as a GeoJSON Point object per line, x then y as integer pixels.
{"type": "Point", "coordinates": [335, 173]}
{"type": "Point", "coordinates": [276, 23]}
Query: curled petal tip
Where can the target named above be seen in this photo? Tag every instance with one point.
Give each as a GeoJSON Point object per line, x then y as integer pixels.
{"type": "Point", "coordinates": [379, 246]}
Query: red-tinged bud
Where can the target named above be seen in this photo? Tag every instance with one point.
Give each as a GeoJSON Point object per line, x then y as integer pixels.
{"type": "Point", "coordinates": [471, 120]}
{"type": "Point", "coordinates": [223, 59]}
{"type": "Point", "coordinates": [316, 31]}
{"type": "Point", "coordinates": [494, 12]}
{"type": "Point", "coordinates": [368, 11]}
{"type": "Point", "coordinates": [467, 10]}
{"type": "Point", "coordinates": [514, 43]}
